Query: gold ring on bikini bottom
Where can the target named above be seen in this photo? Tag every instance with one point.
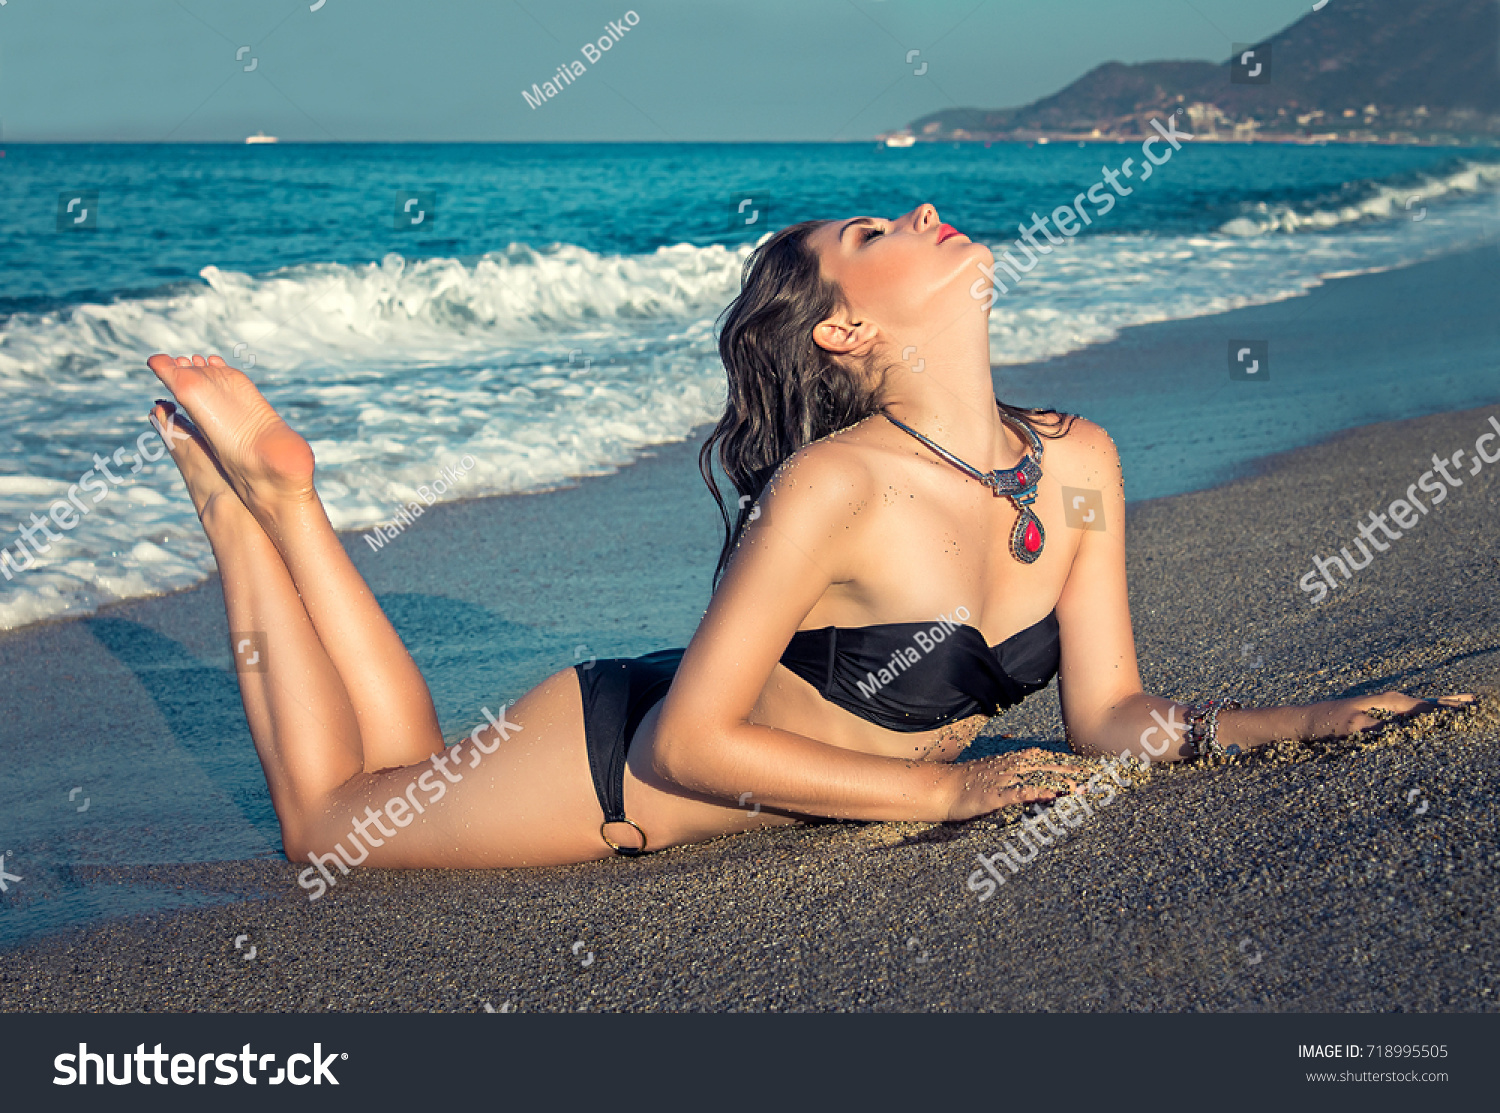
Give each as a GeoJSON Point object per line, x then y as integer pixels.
{"type": "Point", "coordinates": [616, 847]}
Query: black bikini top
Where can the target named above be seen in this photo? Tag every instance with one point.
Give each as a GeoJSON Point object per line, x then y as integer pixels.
{"type": "Point", "coordinates": [912, 676]}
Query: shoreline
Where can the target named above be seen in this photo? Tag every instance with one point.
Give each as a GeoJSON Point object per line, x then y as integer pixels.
{"type": "Point", "coordinates": [1091, 378]}
{"type": "Point", "coordinates": [1360, 873]}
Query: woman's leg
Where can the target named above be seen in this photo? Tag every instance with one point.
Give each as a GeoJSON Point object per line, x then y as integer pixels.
{"type": "Point", "coordinates": [300, 717]}
{"type": "Point", "coordinates": [270, 468]}
{"type": "Point", "coordinates": [490, 801]}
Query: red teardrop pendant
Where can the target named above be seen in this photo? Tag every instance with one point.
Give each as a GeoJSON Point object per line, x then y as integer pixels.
{"type": "Point", "coordinates": [1027, 537]}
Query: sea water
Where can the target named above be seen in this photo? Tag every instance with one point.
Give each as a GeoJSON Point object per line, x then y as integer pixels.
{"type": "Point", "coordinates": [549, 310]}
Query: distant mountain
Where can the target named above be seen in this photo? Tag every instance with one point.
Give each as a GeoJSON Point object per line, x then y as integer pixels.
{"type": "Point", "coordinates": [1362, 70]}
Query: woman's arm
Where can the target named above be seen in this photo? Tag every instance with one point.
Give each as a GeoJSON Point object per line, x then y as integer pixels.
{"type": "Point", "coordinates": [807, 536]}
{"type": "Point", "coordinates": [1105, 710]}
{"type": "Point", "coordinates": [1161, 738]}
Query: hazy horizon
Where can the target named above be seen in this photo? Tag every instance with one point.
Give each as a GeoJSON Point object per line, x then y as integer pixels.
{"type": "Point", "coordinates": [700, 71]}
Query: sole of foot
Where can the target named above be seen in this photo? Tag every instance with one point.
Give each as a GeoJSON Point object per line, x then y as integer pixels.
{"type": "Point", "coordinates": [266, 463]}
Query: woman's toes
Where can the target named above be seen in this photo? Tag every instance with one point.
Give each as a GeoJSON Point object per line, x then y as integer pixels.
{"type": "Point", "coordinates": [176, 430]}
{"type": "Point", "coordinates": [264, 458]}
{"type": "Point", "coordinates": [164, 367]}
{"type": "Point", "coordinates": [200, 470]}
{"type": "Point", "coordinates": [173, 427]}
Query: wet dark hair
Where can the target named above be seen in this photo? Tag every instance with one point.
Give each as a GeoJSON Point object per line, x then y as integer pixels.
{"type": "Point", "coordinates": [784, 391]}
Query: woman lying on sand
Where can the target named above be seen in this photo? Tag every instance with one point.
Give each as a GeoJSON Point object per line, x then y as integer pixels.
{"type": "Point", "coordinates": [900, 569]}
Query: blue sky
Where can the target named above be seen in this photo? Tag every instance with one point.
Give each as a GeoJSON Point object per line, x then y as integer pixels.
{"type": "Point", "coordinates": [154, 70]}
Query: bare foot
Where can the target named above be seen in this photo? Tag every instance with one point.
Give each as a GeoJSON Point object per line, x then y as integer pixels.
{"type": "Point", "coordinates": [264, 461]}
{"type": "Point", "coordinates": [207, 486]}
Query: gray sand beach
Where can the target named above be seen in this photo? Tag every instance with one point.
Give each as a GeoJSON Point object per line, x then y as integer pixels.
{"type": "Point", "coordinates": [1353, 876]}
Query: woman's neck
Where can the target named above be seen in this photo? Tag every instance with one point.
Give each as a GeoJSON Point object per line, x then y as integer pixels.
{"type": "Point", "coordinates": [952, 401]}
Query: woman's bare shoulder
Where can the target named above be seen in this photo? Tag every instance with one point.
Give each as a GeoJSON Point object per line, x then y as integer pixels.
{"type": "Point", "coordinates": [1077, 443]}
{"type": "Point", "coordinates": [814, 503]}
{"type": "Point", "coordinates": [837, 468]}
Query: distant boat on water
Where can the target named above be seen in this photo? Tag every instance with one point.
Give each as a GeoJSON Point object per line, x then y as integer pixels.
{"type": "Point", "coordinates": [261, 137]}
{"type": "Point", "coordinates": [900, 140]}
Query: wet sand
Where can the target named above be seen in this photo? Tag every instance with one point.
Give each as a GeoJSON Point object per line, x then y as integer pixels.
{"type": "Point", "coordinates": [1337, 877]}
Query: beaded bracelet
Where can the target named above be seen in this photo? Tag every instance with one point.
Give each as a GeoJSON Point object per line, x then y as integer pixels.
{"type": "Point", "coordinates": [1203, 727]}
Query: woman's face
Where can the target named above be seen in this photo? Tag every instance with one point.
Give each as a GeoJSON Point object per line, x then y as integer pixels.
{"type": "Point", "coordinates": [907, 276]}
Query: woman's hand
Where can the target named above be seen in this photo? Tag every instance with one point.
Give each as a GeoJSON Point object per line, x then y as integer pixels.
{"type": "Point", "coordinates": [1342, 717]}
{"type": "Point", "coordinates": [983, 786]}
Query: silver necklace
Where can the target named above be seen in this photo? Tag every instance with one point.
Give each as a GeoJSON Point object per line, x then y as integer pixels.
{"type": "Point", "coordinates": [1018, 484]}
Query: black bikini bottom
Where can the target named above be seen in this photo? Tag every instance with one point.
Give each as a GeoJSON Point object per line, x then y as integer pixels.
{"type": "Point", "coordinates": [617, 693]}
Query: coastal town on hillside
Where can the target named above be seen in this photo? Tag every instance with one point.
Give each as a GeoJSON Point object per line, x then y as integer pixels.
{"type": "Point", "coordinates": [1212, 124]}
{"type": "Point", "coordinates": [1362, 76]}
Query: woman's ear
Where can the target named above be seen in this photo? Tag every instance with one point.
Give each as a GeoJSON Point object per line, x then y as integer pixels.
{"type": "Point", "coordinates": [842, 336]}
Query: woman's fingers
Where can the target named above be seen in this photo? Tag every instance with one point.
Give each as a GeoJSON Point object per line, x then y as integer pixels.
{"type": "Point", "coordinates": [1416, 705]}
{"type": "Point", "coordinates": [1364, 715]}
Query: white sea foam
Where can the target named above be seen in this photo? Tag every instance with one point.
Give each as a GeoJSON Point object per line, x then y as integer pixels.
{"type": "Point", "coordinates": [1377, 201]}
{"type": "Point", "coordinates": [543, 365]}
{"type": "Point", "coordinates": [1091, 287]}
